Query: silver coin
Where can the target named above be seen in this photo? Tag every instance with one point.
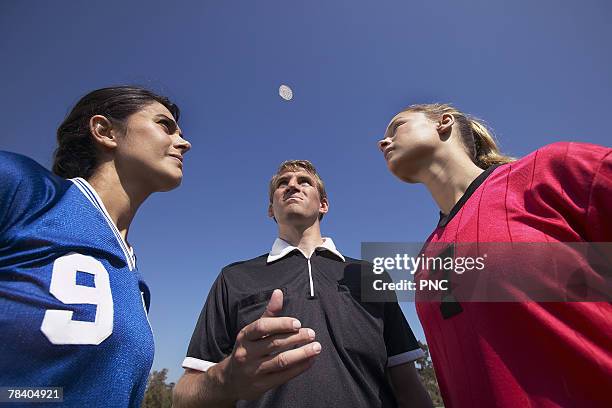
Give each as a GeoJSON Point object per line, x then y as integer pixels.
{"type": "Point", "coordinates": [285, 92]}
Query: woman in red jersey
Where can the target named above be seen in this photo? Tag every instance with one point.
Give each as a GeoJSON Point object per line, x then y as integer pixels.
{"type": "Point", "coordinates": [509, 354]}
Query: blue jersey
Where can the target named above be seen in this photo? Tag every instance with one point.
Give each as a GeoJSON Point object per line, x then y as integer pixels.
{"type": "Point", "coordinates": [73, 307]}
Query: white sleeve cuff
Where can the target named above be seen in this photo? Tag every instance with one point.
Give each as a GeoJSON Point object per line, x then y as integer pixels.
{"type": "Point", "coordinates": [197, 364]}
{"type": "Point", "coordinates": [403, 358]}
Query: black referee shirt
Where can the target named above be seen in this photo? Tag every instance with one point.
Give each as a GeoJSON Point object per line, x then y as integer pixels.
{"type": "Point", "coordinates": [359, 340]}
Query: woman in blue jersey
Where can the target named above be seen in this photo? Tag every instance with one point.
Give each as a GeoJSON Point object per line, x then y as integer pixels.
{"type": "Point", "coordinates": [509, 354]}
{"type": "Point", "coordinates": [73, 307]}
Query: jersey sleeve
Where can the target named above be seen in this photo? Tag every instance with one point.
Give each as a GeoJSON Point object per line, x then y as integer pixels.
{"type": "Point", "coordinates": [11, 176]}
{"type": "Point", "coordinates": [25, 188]}
{"type": "Point", "coordinates": [599, 210]}
{"type": "Point", "coordinates": [400, 342]}
{"type": "Point", "coordinates": [211, 341]}
{"type": "Point", "coordinates": [402, 346]}
{"type": "Point", "coordinates": [580, 187]}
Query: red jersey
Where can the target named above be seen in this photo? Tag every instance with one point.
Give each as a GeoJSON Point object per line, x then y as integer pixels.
{"type": "Point", "coordinates": [528, 354]}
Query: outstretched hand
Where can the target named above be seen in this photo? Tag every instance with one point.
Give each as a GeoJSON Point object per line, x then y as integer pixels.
{"type": "Point", "coordinates": [268, 352]}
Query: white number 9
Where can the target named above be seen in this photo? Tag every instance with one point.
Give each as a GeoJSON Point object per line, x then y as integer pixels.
{"type": "Point", "coordinates": [58, 325]}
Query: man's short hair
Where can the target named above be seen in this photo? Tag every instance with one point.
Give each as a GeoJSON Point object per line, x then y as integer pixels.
{"type": "Point", "coordinates": [298, 165]}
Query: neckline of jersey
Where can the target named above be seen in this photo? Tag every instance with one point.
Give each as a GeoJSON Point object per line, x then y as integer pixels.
{"type": "Point", "coordinates": [90, 193]}
{"type": "Point", "coordinates": [282, 248]}
{"type": "Point", "coordinates": [445, 219]}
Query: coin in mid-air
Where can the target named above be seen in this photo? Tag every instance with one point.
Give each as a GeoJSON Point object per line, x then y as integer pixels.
{"type": "Point", "coordinates": [285, 92]}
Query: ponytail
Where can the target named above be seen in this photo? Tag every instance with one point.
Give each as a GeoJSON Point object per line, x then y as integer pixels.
{"type": "Point", "coordinates": [487, 153]}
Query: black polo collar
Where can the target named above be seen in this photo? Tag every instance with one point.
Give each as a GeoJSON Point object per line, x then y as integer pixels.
{"type": "Point", "coordinates": [445, 219]}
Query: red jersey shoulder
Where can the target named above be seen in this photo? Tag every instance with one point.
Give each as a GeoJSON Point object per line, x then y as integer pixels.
{"type": "Point", "coordinates": [573, 155]}
{"type": "Point", "coordinates": [566, 167]}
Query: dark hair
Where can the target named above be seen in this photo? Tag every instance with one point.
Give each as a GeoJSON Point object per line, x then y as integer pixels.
{"type": "Point", "coordinates": [75, 155]}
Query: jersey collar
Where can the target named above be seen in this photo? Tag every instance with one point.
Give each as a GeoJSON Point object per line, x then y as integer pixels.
{"type": "Point", "coordinates": [282, 248]}
{"type": "Point", "coordinates": [90, 193]}
{"type": "Point", "coordinates": [445, 219]}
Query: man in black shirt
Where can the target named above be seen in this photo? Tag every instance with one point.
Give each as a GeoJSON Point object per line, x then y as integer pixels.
{"type": "Point", "coordinates": [289, 329]}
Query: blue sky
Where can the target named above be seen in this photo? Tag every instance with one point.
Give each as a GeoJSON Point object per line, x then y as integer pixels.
{"type": "Point", "coordinates": [537, 72]}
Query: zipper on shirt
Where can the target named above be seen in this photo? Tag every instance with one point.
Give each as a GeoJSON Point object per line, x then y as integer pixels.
{"type": "Point", "coordinates": [310, 278]}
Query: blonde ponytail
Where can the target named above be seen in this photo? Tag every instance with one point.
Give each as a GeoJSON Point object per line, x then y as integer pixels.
{"type": "Point", "coordinates": [477, 138]}
{"type": "Point", "coordinates": [487, 153]}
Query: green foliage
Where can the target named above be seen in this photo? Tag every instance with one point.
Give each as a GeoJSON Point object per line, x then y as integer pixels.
{"type": "Point", "coordinates": [158, 393]}
{"type": "Point", "coordinates": [428, 377]}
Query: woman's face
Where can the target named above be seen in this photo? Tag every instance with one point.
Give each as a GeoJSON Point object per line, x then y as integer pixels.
{"type": "Point", "coordinates": [409, 145]}
{"type": "Point", "coordinates": [151, 149]}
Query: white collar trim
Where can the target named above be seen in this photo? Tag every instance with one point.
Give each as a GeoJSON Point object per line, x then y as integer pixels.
{"type": "Point", "coordinates": [90, 193]}
{"type": "Point", "coordinates": [281, 248]}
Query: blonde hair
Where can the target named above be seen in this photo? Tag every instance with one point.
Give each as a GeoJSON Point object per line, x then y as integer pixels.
{"type": "Point", "coordinates": [298, 165]}
{"type": "Point", "coordinates": [477, 138]}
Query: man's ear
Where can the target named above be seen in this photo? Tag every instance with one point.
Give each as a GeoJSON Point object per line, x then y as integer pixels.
{"type": "Point", "coordinates": [324, 207]}
{"type": "Point", "coordinates": [271, 213]}
{"type": "Point", "coordinates": [102, 132]}
{"type": "Point", "coordinates": [445, 124]}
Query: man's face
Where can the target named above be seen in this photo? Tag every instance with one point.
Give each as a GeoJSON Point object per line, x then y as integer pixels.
{"type": "Point", "coordinates": [296, 199]}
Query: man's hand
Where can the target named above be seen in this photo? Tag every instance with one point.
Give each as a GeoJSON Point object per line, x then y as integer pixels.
{"type": "Point", "coordinates": [267, 353]}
